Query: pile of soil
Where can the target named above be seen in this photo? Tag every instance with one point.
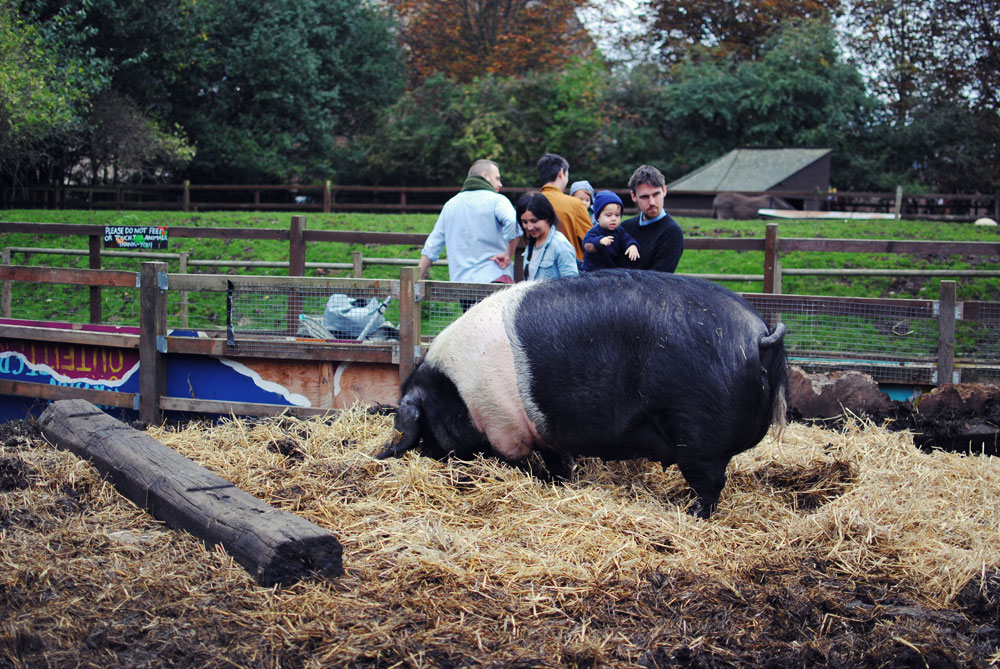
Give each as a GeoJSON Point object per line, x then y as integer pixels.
{"type": "Point", "coordinates": [833, 547]}
{"type": "Point", "coordinates": [962, 417]}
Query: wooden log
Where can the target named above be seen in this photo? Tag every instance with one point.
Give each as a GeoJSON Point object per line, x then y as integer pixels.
{"type": "Point", "coordinates": [274, 546]}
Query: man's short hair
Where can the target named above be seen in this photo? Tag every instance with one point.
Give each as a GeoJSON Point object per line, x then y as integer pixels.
{"type": "Point", "coordinates": [549, 166]}
{"type": "Point", "coordinates": [646, 174]}
{"type": "Point", "coordinates": [480, 167]}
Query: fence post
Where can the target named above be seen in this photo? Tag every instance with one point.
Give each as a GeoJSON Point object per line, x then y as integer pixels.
{"type": "Point", "coordinates": [770, 256]}
{"type": "Point", "coordinates": [297, 247]}
{"type": "Point", "coordinates": [5, 298]}
{"type": "Point", "coordinates": [296, 267]}
{"type": "Point", "coordinates": [184, 294]}
{"type": "Point", "coordinates": [95, 291]}
{"type": "Point", "coordinates": [518, 261]}
{"type": "Point", "coordinates": [946, 333]}
{"type": "Point", "coordinates": [409, 321]}
{"type": "Point", "coordinates": [898, 210]}
{"type": "Point", "coordinates": [152, 340]}
{"type": "Point", "coordinates": [326, 197]}
{"type": "Point", "coordinates": [359, 264]}
{"type": "Point", "coordinates": [187, 195]}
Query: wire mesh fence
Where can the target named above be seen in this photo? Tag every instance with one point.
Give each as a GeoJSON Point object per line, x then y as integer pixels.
{"type": "Point", "coordinates": [977, 342]}
{"type": "Point", "coordinates": [444, 302]}
{"type": "Point", "coordinates": [978, 338]}
{"type": "Point", "coordinates": [70, 303]}
{"type": "Point", "coordinates": [895, 342]}
{"type": "Point", "coordinates": [268, 318]}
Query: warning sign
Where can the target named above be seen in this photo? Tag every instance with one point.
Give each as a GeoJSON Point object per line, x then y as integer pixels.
{"type": "Point", "coordinates": [135, 237]}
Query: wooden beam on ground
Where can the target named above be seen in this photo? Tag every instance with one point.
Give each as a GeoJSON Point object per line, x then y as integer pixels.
{"type": "Point", "coordinates": [274, 546]}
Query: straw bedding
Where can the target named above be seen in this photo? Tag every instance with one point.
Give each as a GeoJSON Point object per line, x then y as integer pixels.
{"type": "Point", "coordinates": [844, 547]}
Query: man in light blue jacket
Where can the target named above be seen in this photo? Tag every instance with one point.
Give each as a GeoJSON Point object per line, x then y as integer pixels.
{"type": "Point", "coordinates": [479, 228]}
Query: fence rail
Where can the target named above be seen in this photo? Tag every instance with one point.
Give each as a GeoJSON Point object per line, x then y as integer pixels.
{"type": "Point", "coordinates": [327, 198]}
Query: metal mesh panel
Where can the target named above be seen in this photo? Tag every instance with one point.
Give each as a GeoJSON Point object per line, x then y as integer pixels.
{"type": "Point", "coordinates": [977, 345]}
{"type": "Point", "coordinates": [895, 343]}
{"type": "Point", "coordinates": [49, 302]}
{"type": "Point", "coordinates": [980, 339]}
{"type": "Point", "coordinates": [120, 306]}
{"type": "Point", "coordinates": [196, 310]}
{"type": "Point", "coordinates": [266, 318]}
{"type": "Point", "coordinates": [70, 303]}
{"type": "Point", "coordinates": [444, 302]}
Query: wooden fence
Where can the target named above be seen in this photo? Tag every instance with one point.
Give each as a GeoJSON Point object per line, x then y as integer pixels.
{"type": "Point", "coordinates": [327, 197]}
{"type": "Point", "coordinates": [298, 237]}
{"type": "Point", "coordinates": [156, 345]}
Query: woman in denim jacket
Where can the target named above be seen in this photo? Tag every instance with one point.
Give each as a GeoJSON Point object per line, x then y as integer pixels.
{"type": "Point", "coordinates": [549, 254]}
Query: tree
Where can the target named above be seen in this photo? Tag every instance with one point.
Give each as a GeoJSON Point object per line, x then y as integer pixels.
{"type": "Point", "coordinates": [929, 49]}
{"type": "Point", "coordinates": [736, 29]}
{"type": "Point", "coordinates": [39, 96]}
{"type": "Point", "coordinates": [799, 92]}
{"type": "Point", "coordinates": [120, 143]}
{"type": "Point", "coordinates": [108, 46]}
{"type": "Point", "coordinates": [262, 90]}
{"type": "Point", "coordinates": [936, 63]}
{"type": "Point", "coordinates": [437, 129]}
{"type": "Point", "coordinates": [464, 39]}
{"type": "Point", "coordinates": [284, 79]}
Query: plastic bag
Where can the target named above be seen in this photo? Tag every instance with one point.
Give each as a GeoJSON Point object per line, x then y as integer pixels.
{"type": "Point", "coordinates": [348, 317]}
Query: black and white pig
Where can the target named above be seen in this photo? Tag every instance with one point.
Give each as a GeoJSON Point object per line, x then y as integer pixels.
{"type": "Point", "coordinates": [617, 364]}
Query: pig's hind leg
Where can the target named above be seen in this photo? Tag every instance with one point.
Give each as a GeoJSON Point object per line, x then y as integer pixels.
{"type": "Point", "coordinates": [705, 472]}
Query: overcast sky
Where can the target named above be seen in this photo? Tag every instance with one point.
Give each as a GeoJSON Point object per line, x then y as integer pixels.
{"type": "Point", "coordinates": [615, 20]}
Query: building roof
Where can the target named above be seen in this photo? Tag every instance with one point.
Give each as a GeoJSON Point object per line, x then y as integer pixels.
{"type": "Point", "coordinates": [749, 170]}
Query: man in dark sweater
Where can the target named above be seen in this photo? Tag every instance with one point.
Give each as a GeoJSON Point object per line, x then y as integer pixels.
{"type": "Point", "coordinates": [660, 239]}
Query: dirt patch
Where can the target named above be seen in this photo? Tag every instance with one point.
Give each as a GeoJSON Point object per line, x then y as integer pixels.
{"type": "Point", "coordinates": [19, 433]}
{"type": "Point", "coordinates": [14, 474]}
{"type": "Point", "coordinates": [955, 417]}
{"type": "Point", "coordinates": [806, 488]}
{"type": "Point", "coordinates": [913, 286]}
{"type": "Point", "coordinates": [834, 547]}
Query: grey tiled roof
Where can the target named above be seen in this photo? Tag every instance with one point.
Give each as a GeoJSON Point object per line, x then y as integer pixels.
{"type": "Point", "coordinates": [748, 170]}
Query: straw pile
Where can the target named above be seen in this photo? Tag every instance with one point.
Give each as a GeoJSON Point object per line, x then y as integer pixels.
{"type": "Point", "coordinates": [834, 548]}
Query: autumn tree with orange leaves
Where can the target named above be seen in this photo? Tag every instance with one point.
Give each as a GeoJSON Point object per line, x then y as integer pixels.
{"type": "Point", "coordinates": [464, 39]}
{"type": "Point", "coordinates": [735, 28]}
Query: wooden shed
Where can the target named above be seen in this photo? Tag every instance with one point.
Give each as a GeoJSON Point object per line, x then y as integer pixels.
{"type": "Point", "coordinates": [754, 171]}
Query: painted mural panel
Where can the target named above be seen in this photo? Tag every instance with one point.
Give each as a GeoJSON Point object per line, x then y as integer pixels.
{"type": "Point", "coordinates": [298, 383]}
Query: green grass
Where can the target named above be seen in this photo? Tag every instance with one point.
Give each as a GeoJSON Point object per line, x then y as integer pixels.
{"type": "Point", "coordinates": [70, 302]}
